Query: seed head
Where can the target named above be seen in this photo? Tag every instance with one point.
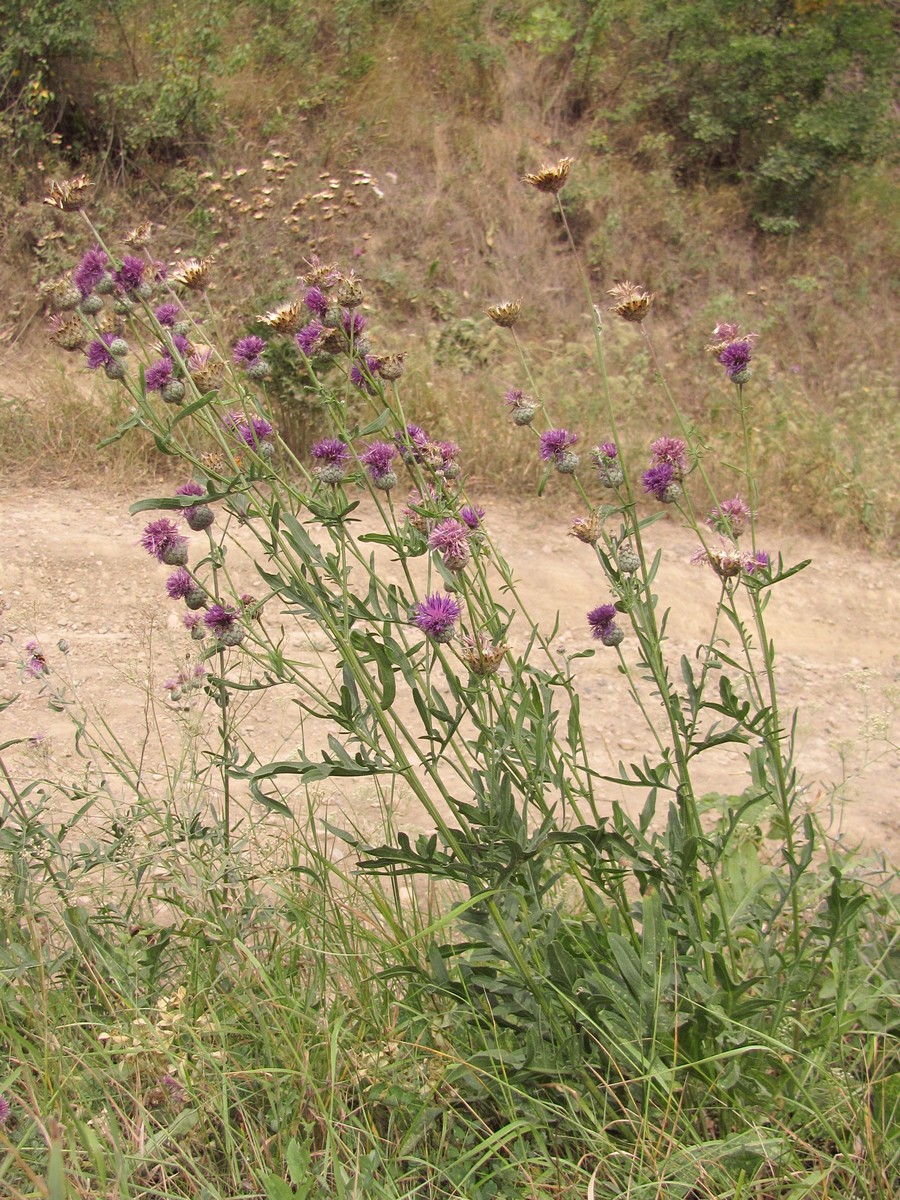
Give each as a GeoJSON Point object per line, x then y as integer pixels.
{"type": "Point", "coordinates": [506, 314]}
{"type": "Point", "coordinates": [139, 236]}
{"type": "Point", "coordinates": [391, 366]}
{"type": "Point", "coordinates": [69, 195]}
{"type": "Point", "coordinates": [349, 292]}
{"type": "Point", "coordinates": [586, 529]}
{"type": "Point", "coordinates": [482, 657]}
{"type": "Point", "coordinates": [67, 332]}
{"type": "Point", "coordinates": [191, 273]}
{"type": "Point", "coordinates": [550, 179]}
{"type": "Point", "coordinates": [632, 303]}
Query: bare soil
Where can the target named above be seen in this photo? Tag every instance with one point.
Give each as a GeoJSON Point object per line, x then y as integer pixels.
{"type": "Point", "coordinates": [71, 568]}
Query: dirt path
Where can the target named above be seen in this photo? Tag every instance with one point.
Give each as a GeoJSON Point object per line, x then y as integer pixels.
{"type": "Point", "coordinates": [70, 568]}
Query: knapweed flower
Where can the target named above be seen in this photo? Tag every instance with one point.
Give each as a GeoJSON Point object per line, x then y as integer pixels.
{"type": "Point", "coordinates": [602, 622]}
{"type": "Point", "coordinates": [253, 430]}
{"type": "Point", "coordinates": [162, 540]}
{"type": "Point", "coordinates": [180, 584]}
{"type": "Point", "coordinates": [442, 457]}
{"type": "Point", "coordinates": [724, 332]}
{"type": "Point", "coordinates": [550, 179]}
{"type": "Point", "coordinates": [628, 560]}
{"type": "Point", "coordinates": [5, 1110]}
{"type": "Point", "coordinates": [506, 314]}
{"type": "Point", "coordinates": [606, 459]}
{"type": "Point", "coordinates": [168, 314]}
{"type": "Point", "coordinates": [760, 561]}
{"type": "Point", "coordinates": [186, 679]}
{"type": "Point", "coordinates": [632, 302]}
{"type": "Point", "coordinates": [362, 371]}
{"type": "Point", "coordinates": [320, 274]}
{"type": "Point", "coordinates": [586, 529]}
{"type": "Point", "coordinates": [130, 275]}
{"type": "Point", "coordinates": [522, 406]}
{"type": "Point", "coordinates": [69, 195]}
{"type": "Point", "coordinates": [390, 366]}
{"type": "Point", "coordinates": [730, 517]}
{"type": "Point", "coordinates": [36, 663]}
{"type": "Point", "coordinates": [436, 616]}
{"type": "Point", "coordinates": [482, 657]}
{"type": "Point", "coordinates": [205, 369]}
{"type": "Point", "coordinates": [191, 273]}
{"type": "Point", "coordinates": [660, 481]}
{"type": "Point", "coordinates": [223, 622]}
{"type": "Point", "coordinates": [418, 506]}
{"type": "Point", "coordinates": [472, 516]}
{"type": "Point", "coordinates": [735, 358]}
{"type": "Point", "coordinates": [309, 338]}
{"type": "Point", "coordinates": [451, 538]}
{"type": "Point", "coordinates": [159, 375]}
{"type": "Point", "coordinates": [198, 516]}
{"type": "Point", "coordinates": [316, 301]}
{"type": "Point", "coordinates": [672, 451]}
{"type": "Point", "coordinates": [284, 318]}
{"type": "Point", "coordinates": [555, 445]}
{"type": "Point", "coordinates": [99, 353]}
{"type": "Point", "coordinates": [349, 291]}
{"type": "Point", "coordinates": [67, 332]}
{"type": "Point", "coordinates": [378, 461]}
{"type": "Point", "coordinates": [180, 344]}
{"type": "Point", "coordinates": [90, 270]}
{"type": "Point", "coordinates": [332, 459]}
{"type": "Point", "coordinates": [193, 623]}
{"type": "Point", "coordinates": [246, 352]}
{"type": "Point", "coordinates": [139, 236]}
{"type": "Point", "coordinates": [354, 324]}
{"type": "Point", "coordinates": [411, 443]}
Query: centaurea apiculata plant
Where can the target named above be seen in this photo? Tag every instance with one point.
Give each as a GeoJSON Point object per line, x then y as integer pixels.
{"type": "Point", "coordinates": [585, 932]}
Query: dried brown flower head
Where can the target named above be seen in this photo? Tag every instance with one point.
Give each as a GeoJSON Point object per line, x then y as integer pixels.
{"type": "Point", "coordinates": [321, 274]}
{"type": "Point", "coordinates": [111, 322]}
{"type": "Point", "coordinates": [205, 370]}
{"type": "Point", "coordinates": [483, 658]}
{"type": "Point", "coordinates": [506, 314]}
{"type": "Point", "coordinates": [550, 179]}
{"type": "Point", "coordinates": [286, 318]}
{"type": "Point", "coordinates": [350, 292]}
{"type": "Point", "coordinates": [67, 332]}
{"type": "Point", "coordinates": [139, 236]}
{"type": "Point", "coordinates": [69, 195]}
{"type": "Point", "coordinates": [391, 366]}
{"type": "Point", "coordinates": [62, 294]}
{"type": "Point", "coordinates": [191, 273]}
{"type": "Point", "coordinates": [632, 303]}
{"type": "Point", "coordinates": [586, 529]}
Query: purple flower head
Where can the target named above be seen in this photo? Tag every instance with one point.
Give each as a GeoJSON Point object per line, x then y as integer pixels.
{"type": "Point", "coordinates": [316, 301]}
{"type": "Point", "coordinates": [671, 452]}
{"type": "Point", "coordinates": [98, 352]}
{"type": "Point", "coordinates": [354, 324]}
{"type": "Point", "coordinates": [131, 273]}
{"type": "Point", "coordinates": [449, 452]}
{"type": "Point", "coordinates": [472, 516]}
{"type": "Point", "coordinates": [451, 537]}
{"type": "Point", "coordinates": [90, 270]}
{"type": "Point", "coordinates": [363, 378]}
{"type": "Point", "coordinates": [247, 351]}
{"type": "Point", "coordinates": [192, 620]}
{"type": "Point", "coordinates": [158, 375]}
{"type": "Point", "coordinates": [514, 397]}
{"type": "Point", "coordinates": [181, 344]}
{"type": "Point", "coordinates": [180, 584]}
{"type": "Point", "coordinates": [735, 358]}
{"type": "Point", "coordinates": [192, 488]}
{"type": "Point", "coordinates": [412, 443]}
{"type": "Point", "coordinates": [36, 663]}
{"type": "Point", "coordinates": [555, 442]}
{"type": "Point", "coordinates": [331, 452]}
{"type": "Point", "coordinates": [378, 459]}
{"type": "Point", "coordinates": [660, 481]}
{"type": "Point", "coordinates": [760, 561]}
{"type": "Point", "coordinates": [730, 517]}
{"type": "Point", "coordinates": [308, 337]}
{"type": "Point", "coordinates": [220, 619]}
{"type": "Point", "coordinates": [251, 430]}
{"type": "Point", "coordinates": [602, 618]}
{"type": "Point", "coordinates": [162, 540]}
{"type": "Point", "coordinates": [608, 450]}
{"type": "Point", "coordinates": [167, 314]}
{"type": "Point", "coordinates": [436, 616]}
{"type": "Point", "coordinates": [4, 1110]}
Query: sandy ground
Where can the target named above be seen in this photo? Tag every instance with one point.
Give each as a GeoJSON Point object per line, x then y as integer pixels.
{"type": "Point", "coordinates": [70, 568]}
